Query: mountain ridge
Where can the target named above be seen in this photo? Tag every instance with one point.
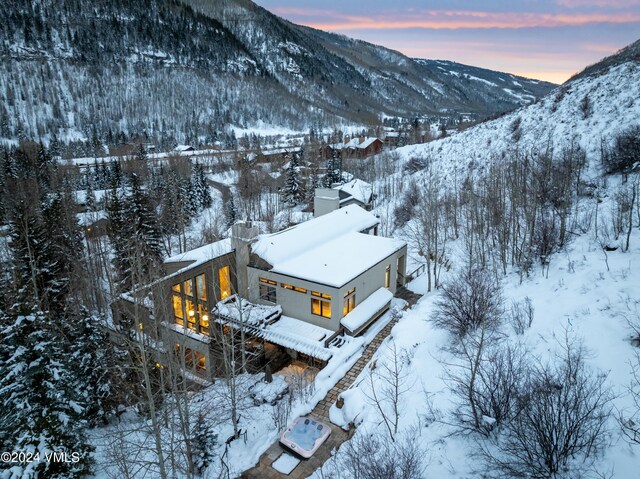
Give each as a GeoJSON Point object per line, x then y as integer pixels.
{"type": "Point", "coordinates": [187, 70]}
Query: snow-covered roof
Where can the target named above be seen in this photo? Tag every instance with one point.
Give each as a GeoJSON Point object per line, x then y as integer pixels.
{"type": "Point", "coordinates": [355, 143]}
{"type": "Point", "coordinates": [358, 189]}
{"type": "Point", "coordinates": [300, 336]}
{"type": "Point", "coordinates": [339, 260]}
{"type": "Point", "coordinates": [288, 244]}
{"type": "Point", "coordinates": [363, 312]}
{"type": "Point", "coordinates": [288, 332]}
{"type": "Point", "coordinates": [184, 148]}
{"type": "Point", "coordinates": [204, 253]}
{"type": "Point", "coordinates": [90, 217]}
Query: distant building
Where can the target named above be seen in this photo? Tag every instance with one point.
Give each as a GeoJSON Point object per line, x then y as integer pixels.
{"type": "Point", "coordinates": [360, 147]}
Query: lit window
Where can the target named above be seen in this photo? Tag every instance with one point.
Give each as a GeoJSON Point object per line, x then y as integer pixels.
{"type": "Point", "coordinates": [321, 295]}
{"type": "Point", "coordinates": [300, 290]}
{"type": "Point", "coordinates": [176, 287]}
{"type": "Point", "coordinates": [225, 282]}
{"type": "Point", "coordinates": [177, 309]}
{"type": "Point", "coordinates": [203, 315]}
{"type": "Point", "coordinates": [201, 288]}
{"type": "Point", "coordinates": [188, 287]}
{"type": "Point", "coordinates": [320, 307]}
{"type": "Point", "coordinates": [387, 276]}
{"type": "Point", "coordinates": [349, 301]}
{"type": "Point", "coordinates": [286, 286]}
{"type": "Point", "coordinates": [191, 315]}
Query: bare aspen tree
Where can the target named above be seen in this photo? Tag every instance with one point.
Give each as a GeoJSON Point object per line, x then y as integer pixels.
{"type": "Point", "coordinates": [630, 421]}
{"type": "Point", "coordinates": [387, 386]}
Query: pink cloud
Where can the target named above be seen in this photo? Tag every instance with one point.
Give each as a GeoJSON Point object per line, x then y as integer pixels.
{"type": "Point", "coordinates": [598, 3]}
{"type": "Point", "coordinates": [456, 19]}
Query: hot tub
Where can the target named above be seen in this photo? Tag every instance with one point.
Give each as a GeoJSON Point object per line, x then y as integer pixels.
{"type": "Point", "coordinates": [305, 436]}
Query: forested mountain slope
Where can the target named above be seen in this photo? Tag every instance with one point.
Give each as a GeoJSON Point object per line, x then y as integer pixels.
{"type": "Point", "coordinates": [160, 67]}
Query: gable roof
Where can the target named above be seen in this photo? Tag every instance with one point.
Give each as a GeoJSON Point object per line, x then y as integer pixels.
{"type": "Point", "coordinates": [358, 189]}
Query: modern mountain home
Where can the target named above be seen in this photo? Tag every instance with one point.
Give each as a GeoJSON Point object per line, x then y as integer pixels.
{"type": "Point", "coordinates": [298, 293]}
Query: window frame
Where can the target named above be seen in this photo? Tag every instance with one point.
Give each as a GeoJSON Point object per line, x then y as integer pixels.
{"type": "Point", "coordinates": [349, 301]}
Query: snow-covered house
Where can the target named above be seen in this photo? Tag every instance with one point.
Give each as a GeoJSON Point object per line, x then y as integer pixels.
{"type": "Point", "coordinates": [299, 292]}
{"type": "Point", "coordinates": [359, 147]}
{"type": "Point", "coordinates": [356, 192]}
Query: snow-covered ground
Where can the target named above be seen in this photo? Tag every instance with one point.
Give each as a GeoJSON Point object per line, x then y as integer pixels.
{"type": "Point", "coordinates": [585, 294]}
{"type": "Point", "coordinates": [580, 296]}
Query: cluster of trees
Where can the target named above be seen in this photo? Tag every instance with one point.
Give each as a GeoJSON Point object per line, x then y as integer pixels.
{"type": "Point", "coordinates": [513, 212]}
{"type": "Point", "coordinates": [60, 372]}
{"type": "Point", "coordinates": [538, 418]}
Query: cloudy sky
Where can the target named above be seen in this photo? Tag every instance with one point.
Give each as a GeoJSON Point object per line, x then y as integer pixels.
{"type": "Point", "coordinates": [545, 39]}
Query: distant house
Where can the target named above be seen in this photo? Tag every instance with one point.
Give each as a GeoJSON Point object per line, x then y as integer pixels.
{"type": "Point", "coordinates": [360, 147]}
{"type": "Point", "coordinates": [183, 148]}
{"type": "Point", "coordinates": [356, 192]}
{"type": "Point", "coordinates": [273, 154]}
{"type": "Point", "coordinates": [391, 138]}
{"type": "Point", "coordinates": [298, 293]}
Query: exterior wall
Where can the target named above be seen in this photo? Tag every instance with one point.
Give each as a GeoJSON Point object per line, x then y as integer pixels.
{"type": "Point", "coordinates": [325, 201]}
{"type": "Point", "coordinates": [173, 338]}
{"type": "Point", "coordinates": [298, 305]}
{"type": "Point", "coordinates": [294, 304]}
{"type": "Point", "coordinates": [163, 295]}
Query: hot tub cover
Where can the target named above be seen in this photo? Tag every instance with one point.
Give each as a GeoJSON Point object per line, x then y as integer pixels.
{"type": "Point", "coordinates": [305, 436]}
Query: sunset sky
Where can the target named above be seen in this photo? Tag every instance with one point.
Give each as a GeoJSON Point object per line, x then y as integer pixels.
{"type": "Point", "coordinates": [544, 39]}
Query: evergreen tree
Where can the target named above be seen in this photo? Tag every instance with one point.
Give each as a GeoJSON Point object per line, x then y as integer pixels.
{"type": "Point", "coordinates": [293, 192]}
{"type": "Point", "coordinates": [203, 440]}
{"type": "Point", "coordinates": [41, 273]}
{"type": "Point", "coordinates": [41, 406]}
{"type": "Point", "coordinates": [230, 212]}
{"type": "Point", "coordinates": [312, 184]}
{"type": "Point", "coordinates": [43, 163]}
{"type": "Point", "coordinates": [90, 198]}
{"type": "Point", "coordinates": [200, 188]}
{"type": "Point", "coordinates": [138, 248]}
{"type": "Point", "coordinates": [141, 154]}
{"type": "Point", "coordinates": [65, 246]}
{"type": "Point", "coordinates": [93, 355]}
{"type": "Point", "coordinates": [334, 171]}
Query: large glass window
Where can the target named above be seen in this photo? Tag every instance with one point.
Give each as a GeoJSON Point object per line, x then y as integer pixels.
{"type": "Point", "coordinates": [225, 282]}
{"type": "Point", "coordinates": [321, 304]}
{"type": "Point", "coordinates": [192, 359]}
{"type": "Point", "coordinates": [203, 315]}
{"type": "Point", "coordinates": [188, 287]}
{"type": "Point", "coordinates": [177, 309]}
{"type": "Point", "coordinates": [201, 288]}
{"type": "Point", "coordinates": [191, 315]}
{"type": "Point", "coordinates": [349, 301]}
{"type": "Point", "coordinates": [268, 290]}
{"type": "Point", "coordinates": [190, 304]}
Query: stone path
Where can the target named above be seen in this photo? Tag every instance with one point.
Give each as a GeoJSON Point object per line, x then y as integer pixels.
{"type": "Point", "coordinates": [338, 436]}
{"type": "Point", "coordinates": [322, 408]}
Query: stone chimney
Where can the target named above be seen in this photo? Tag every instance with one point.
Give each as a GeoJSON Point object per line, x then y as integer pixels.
{"type": "Point", "coordinates": [347, 139]}
{"type": "Point", "coordinates": [361, 139]}
{"type": "Point", "coordinates": [325, 201]}
{"type": "Point", "coordinates": [242, 235]}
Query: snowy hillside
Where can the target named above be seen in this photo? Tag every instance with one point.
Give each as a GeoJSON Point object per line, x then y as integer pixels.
{"type": "Point", "coordinates": [553, 122]}
{"type": "Point", "coordinates": [462, 193]}
{"type": "Point", "coordinates": [163, 69]}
